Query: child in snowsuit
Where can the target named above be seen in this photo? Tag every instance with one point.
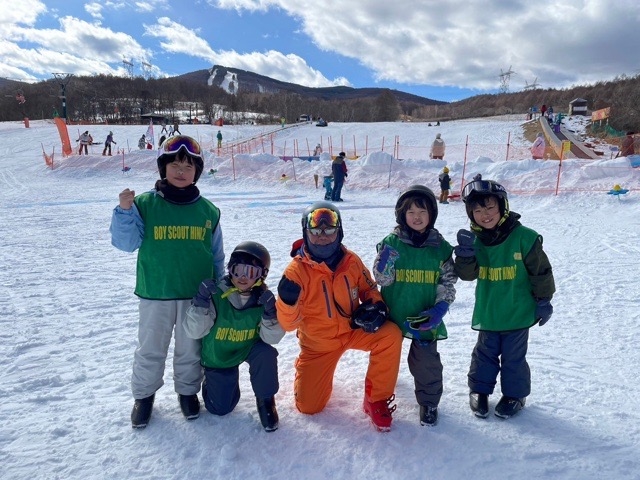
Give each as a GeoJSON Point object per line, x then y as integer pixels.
{"type": "Point", "coordinates": [329, 297]}
{"type": "Point", "coordinates": [445, 185]}
{"type": "Point", "coordinates": [514, 289]}
{"type": "Point", "coordinates": [107, 144]}
{"type": "Point", "coordinates": [327, 182]}
{"type": "Point", "coordinates": [538, 147]}
{"type": "Point", "coordinates": [236, 319]}
{"type": "Point", "coordinates": [142, 143]}
{"type": "Point", "coordinates": [179, 241]}
{"type": "Point", "coordinates": [415, 269]}
{"type": "Point", "coordinates": [219, 137]}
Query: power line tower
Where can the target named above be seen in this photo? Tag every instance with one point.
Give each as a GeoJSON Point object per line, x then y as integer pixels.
{"type": "Point", "coordinates": [128, 66]}
{"type": "Point", "coordinates": [531, 86]}
{"type": "Point", "coordinates": [63, 80]}
{"type": "Point", "coordinates": [505, 77]}
{"type": "Point", "coordinates": [146, 70]}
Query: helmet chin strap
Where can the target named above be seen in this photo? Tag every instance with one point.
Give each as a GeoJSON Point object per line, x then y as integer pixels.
{"type": "Point", "coordinates": [236, 289]}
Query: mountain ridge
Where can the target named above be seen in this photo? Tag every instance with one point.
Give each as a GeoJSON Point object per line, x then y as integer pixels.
{"type": "Point", "coordinates": [234, 80]}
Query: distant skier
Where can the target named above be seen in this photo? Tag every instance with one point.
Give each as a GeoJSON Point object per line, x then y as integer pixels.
{"type": "Point", "coordinates": [85, 139]}
{"type": "Point", "coordinates": [107, 144]}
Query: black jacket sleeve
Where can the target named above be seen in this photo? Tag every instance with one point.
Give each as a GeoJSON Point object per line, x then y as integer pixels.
{"type": "Point", "coordinates": [466, 268]}
{"type": "Point", "coordinates": [540, 272]}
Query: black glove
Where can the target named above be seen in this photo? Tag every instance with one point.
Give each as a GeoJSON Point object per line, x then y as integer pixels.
{"type": "Point", "coordinates": [544, 310]}
{"type": "Point", "coordinates": [465, 246]}
{"type": "Point", "coordinates": [203, 297]}
{"type": "Point", "coordinates": [268, 301]}
{"type": "Point", "coordinates": [288, 291]}
{"type": "Point", "coordinates": [369, 316]}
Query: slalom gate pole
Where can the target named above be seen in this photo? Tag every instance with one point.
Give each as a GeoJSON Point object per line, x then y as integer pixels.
{"type": "Point", "coordinates": [558, 179]}
{"type": "Point", "coordinates": [508, 142]}
{"type": "Point", "coordinates": [233, 162]}
{"type": "Point", "coordinates": [464, 165]}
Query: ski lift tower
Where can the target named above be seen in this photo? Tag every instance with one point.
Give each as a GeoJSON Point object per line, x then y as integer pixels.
{"type": "Point", "coordinates": [531, 86]}
{"type": "Point", "coordinates": [505, 77]}
{"type": "Point", "coordinates": [128, 66]}
{"type": "Point", "coordinates": [146, 70]}
{"type": "Point", "coordinates": [63, 80]}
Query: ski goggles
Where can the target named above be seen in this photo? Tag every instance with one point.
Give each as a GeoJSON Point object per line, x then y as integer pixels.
{"type": "Point", "coordinates": [322, 231]}
{"type": "Point", "coordinates": [250, 272]}
{"type": "Point", "coordinates": [323, 216]}
{"type": "Point", "coordinates": [484, 187]}
{"type": "Point", "coordinates": [173, 145]}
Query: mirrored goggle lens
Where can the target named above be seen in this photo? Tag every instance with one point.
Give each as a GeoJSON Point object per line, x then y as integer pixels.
{"type": "Point", "coordinates": [251, 272]}
{"type": "Point", "coordinates": [322, 216]}
{"type": "Point", "coordinates": [320, 231]}
{"type": "Point", "coordinates": [174, 144]}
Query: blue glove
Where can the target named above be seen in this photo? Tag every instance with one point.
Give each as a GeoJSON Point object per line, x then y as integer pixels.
{"type": "Point", "coordinates": [384, 269]}
{"type": "Point", "coordinates": [544, 310]}
{"type": "Point", "coordinates": [203, 297]}
{"type": "Point", "coordinates": [465, 246]}
{"type": "Point", "coordinates": [288, 291]}
{"type": "Point", "coordinates": [268, 301]}
{"type": "Point", "coordinates": [429, 319]}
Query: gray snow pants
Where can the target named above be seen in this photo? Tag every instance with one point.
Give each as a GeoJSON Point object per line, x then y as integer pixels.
{"type": "Point", "coordinates": [159, 321]}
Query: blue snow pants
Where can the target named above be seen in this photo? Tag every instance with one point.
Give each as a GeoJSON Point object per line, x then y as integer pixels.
{"type": "Point", "coordinates": [501, 353]}
{"type": "Point", "coordinates": [221, 388]}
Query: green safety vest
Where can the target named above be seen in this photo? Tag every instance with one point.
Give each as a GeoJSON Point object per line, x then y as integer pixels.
{"type": "Point", "coordinates": [417, 272]}
{"type": "Point", "coordinates": [232, 336]}
{"type": "Point", "coordinates": [503, 291]}
{"type": "Point", "coordinates": [175, 254]}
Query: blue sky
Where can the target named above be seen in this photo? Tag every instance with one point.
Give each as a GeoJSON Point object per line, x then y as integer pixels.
{"type": "Point", "coordinates": [444, 50]}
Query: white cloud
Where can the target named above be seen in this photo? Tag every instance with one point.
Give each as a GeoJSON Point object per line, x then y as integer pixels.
{"type": "Point", "coordinates": [176, 38]}
{"type": "Point", "coordinates": [76, 47]}
{"type": "Point", "coordinates": [94, 9]}
{"type": "Point", "coordinates": [421, 42]}
{"type": "Point", "coordinates": [461, 43]}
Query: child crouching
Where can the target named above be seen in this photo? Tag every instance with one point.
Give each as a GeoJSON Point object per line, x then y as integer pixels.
{"type": "Point", "coordinates": [237, 322]}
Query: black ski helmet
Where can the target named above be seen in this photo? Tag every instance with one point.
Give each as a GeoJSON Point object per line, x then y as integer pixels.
{"type": "Point", "coordinates": [196, 160]}
{"type": "Point", "coordinates": [316, 206]}
{"type": "Point", "coordinates": [253, 253]}
{"type": "Point", "coordinates": [478, 190]}
{"type": "Point", "coordinates": [416, 191]}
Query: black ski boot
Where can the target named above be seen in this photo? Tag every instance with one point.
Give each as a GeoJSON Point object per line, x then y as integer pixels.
{"type": "Point", "coordinates": [141, 412]}
{"type": "Point", "coordinates": [190, 406]}
{"type": "Point", "coordinates": [268, 413]}
{"type": "Point", "coordinates": [508, 406]}
{"type": "Point", "coordinates": [479, 403]}
{"type": "Point", "coordinates": [428, 415]}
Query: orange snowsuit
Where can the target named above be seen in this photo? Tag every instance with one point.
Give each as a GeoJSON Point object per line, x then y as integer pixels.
{"type": "Point", "coordinates": [322, 318]}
